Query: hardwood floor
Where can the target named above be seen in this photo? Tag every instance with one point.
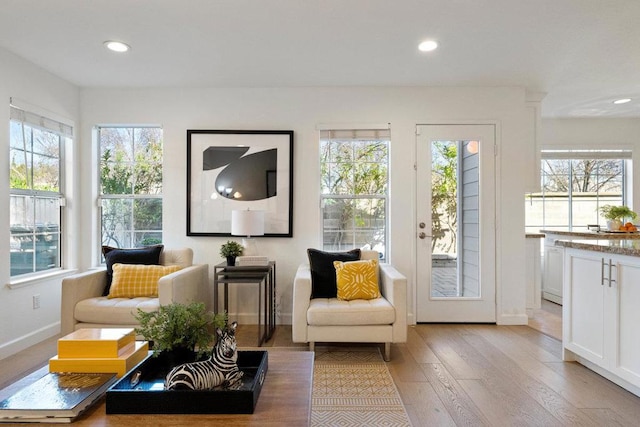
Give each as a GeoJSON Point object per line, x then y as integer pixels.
{"type": "Point", "coordinates": [463, 374]}
{"type": "Point", "coordinates": [548, 319]}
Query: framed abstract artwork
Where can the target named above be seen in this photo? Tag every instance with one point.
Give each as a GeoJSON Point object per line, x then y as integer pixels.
{"type": "Point", "coordinates": [231, 170]}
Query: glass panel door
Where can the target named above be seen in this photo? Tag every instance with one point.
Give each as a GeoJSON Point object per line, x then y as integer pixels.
{"type": "Point", "coordinates": [456, 223]}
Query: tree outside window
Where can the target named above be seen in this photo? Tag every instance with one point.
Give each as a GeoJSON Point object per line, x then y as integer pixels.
{"type": "Point", "coordinates": [131, 186]}
{"type": "Point", "coordinates": [573, 190]}
{"type": "Point", "coordinates": [444, 197]}
{"type": "Point", "coordinates": [35, 176]}
{"type": "Point", "coordinates": [354, 183]}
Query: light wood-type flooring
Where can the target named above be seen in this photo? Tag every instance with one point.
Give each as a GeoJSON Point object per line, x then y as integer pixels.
{"type": "Point", "coordinates": [548, 319]}
{"type": "Point", "coordinates": [463, 374]}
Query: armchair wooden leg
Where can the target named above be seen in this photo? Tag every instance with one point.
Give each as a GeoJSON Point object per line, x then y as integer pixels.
{"type": "Point", "coordinates": [312, 346]}
{"type": "Point", "coordinates": [387, 351]}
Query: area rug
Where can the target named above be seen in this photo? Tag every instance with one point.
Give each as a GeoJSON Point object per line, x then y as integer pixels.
{"type": "Point", "coordinates": [354, 388]}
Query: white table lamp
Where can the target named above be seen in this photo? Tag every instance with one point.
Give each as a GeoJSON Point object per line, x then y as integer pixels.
{"type": "Point", "coordinates": [247, 223]}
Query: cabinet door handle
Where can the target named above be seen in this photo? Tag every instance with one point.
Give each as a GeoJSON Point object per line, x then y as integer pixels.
{"type": "Point", "coordinates": [610, 267]}
{"type": "Point", "coordinates": [601, 271]}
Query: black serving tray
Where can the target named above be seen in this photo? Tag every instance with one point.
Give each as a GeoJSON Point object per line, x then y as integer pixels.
{"type": "Point", "coordinates": [149, 397]}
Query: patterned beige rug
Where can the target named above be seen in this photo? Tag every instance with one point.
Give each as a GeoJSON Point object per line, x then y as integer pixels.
{"type": "Point", "coordinates": [354, 388]}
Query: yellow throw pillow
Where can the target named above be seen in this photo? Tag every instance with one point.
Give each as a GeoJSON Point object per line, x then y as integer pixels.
{"type": "Point", "coordinates": [137, 280]}
{"type": "Point", "coordinates": [357, 279]}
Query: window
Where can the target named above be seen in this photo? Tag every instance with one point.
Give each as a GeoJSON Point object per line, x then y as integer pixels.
{"type": "Point", "coordinates": [575, 184]}
{"type": "Point", "coordinates": [130, 185]}
{"type": "Point", "coordinates": [354, 189]}
{"type": "Point", "coordinates": [36, 179]}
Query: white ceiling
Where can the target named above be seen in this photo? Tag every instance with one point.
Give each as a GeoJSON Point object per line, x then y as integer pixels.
{"type": "Point", "coordinates": [582, 53]}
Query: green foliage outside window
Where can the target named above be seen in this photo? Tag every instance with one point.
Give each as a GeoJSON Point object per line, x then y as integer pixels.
{"type": "Point", "coordinates": [444, 195]}
{"type": "Point", "coordinates": [34, 203]}
{"type": "Point", "coordinates": [354, 180]}
{"type": "Point", "coordinates": [131, 186]}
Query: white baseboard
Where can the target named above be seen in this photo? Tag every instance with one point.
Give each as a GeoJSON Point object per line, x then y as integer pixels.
{"type": "Point", "coordinates": [513, 319]}
{"type": "Point", "coordinates": [552, 297]}
{"type": "Point", "coordinates": [14, 346]}
{"type": "Point", "coordinates": [411, 320]}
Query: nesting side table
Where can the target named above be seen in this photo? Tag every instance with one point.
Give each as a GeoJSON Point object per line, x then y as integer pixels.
{"type": "Point", "coordinates": [262, 275]}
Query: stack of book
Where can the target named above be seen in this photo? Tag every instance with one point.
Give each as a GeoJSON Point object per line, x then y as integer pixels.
{"type": "Point", "coordinates": [110, 350]}
{"type": "Point", "coordinates": [252, 260]}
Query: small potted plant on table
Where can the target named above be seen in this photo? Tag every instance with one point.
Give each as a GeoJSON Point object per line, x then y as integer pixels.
{"type": "Point", "coordinates": [181, 332]}
{"type": "Point", "coordinates": [616, 215]}
{"type": "Point", "coordinates": [230, 251]}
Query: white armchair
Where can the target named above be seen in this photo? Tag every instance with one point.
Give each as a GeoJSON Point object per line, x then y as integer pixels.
{"type": "Point", "coordinates": [83, 305]}
{"type": "Point", "coordinates": [381, 320]}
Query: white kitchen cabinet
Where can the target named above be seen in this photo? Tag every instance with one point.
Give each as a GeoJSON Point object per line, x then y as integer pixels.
{"type": "Point", "coordinates": [554, 255]}
{"type": "Point", "coordinates": [533, 276]}
{"type": "Point", "coordinates": [552, 271]}
{"type": "Point", "coordinates": [583, 313]}
{"type": "Point", "coordinates": [600, 314]}
{"type": "Point", "coordinates": [626, 318]}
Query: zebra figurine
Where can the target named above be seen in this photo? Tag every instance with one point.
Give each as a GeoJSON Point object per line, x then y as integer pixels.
{"type": "Point", "coordinates": [220, 369]}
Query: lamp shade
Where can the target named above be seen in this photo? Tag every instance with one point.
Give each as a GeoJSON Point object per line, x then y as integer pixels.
{"type": "Point", "coordinates": [247, 223]}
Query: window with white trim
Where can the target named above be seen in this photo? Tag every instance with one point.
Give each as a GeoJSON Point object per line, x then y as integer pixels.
{"type": "Point", "coordinates": [130, 185]}
{"type": "Point", "coordinates": [575, 185]}
{"type": "Point", "coordinates": [36, 153]}
{"type": "Point", "coordinates": [354, 182]}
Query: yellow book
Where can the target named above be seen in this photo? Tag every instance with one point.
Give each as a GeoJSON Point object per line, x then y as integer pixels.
{"type": "Point", "coordinates": [118, 365]}
{"type": "Point", "coordinates": [96, 342]}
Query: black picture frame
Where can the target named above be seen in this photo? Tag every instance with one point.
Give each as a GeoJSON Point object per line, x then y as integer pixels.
{"type": "Point", "coordinates": [235, 170]}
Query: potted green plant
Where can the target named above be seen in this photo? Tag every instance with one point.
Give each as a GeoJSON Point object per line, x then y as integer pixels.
{"type": "Point", "coordinates": [182, 329]}
{"type": "Point", "coordinates": [230, 251]}
{"type": "Point", "coordinates": [616, 215]}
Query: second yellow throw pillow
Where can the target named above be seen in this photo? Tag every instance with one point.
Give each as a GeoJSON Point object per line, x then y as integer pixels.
{"type": "Point", "coordinates": [357, 279]}
{"type": "Point", "coordinates": [136, 280]}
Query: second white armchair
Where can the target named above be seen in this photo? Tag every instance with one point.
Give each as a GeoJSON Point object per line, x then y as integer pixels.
{"type": "Point", "coordinates": [377, 320]}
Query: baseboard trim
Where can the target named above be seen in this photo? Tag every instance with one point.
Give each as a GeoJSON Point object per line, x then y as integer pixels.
{"type": "Point", "coordinates": [552, 297]}
{"type": "Point", "coordinates": [284, 319]}
{"type": "Point", "coordinates": [21, 343]}
{"type": "Point", "coordinates": [513, 319]}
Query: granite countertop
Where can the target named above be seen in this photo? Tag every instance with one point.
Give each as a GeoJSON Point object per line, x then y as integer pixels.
{"type": "Point", "coordinates": [534, 235]}
{"type": "Point", "coordinates": [612, 246]}
{"type": "Point", "coordinates": [595, 234]}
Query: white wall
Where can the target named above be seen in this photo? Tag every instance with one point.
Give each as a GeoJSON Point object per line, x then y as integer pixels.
{"type": "Point", "coordinates": [301, 109]}
{"type": "Point", "coordinates": [298, 109]}
{"type": "Point", "coordinates": [21, 325]}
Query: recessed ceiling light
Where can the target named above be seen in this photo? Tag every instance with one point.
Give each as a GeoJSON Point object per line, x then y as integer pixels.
{"type": "Point", "coordinates": [116, 46]}
{"type": "Point", "coordinates": [428, 46]}
{"type": "Point", "coordinates": [622, 101]}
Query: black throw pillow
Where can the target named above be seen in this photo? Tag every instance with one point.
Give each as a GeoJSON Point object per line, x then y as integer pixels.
{"type": "Point", "coordinates": [323, 273]}
{"type": "Point", "coordinates": [148, 255]}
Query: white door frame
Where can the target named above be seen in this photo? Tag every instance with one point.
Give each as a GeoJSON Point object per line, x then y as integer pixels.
{"type": "Point", "coordinates": [497, 201]}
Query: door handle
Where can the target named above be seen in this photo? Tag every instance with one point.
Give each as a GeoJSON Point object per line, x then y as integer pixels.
{"type": "Point", "coordinates": [422, 234]}
{"type": "Point", "coordinates": [610, 267]}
